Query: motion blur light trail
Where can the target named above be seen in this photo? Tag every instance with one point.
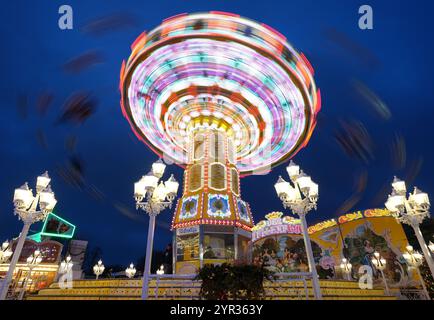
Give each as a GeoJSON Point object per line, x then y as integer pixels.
{"type": "Point", "coordinates": [379, 107]}
{"type": "Point", "coordinates": [223, 71]}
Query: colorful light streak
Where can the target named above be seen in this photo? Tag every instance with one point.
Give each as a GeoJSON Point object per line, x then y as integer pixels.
{"type": "Point", "coordinates": [221, 70]}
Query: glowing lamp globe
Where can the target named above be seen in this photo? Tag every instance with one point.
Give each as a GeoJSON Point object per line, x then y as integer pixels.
{"type": "Point", "coordinates": [158, 168]}
{"type": "Point", "coordinates": [293, 170]}
{"type": "Point", "coordinates": [150, 181]}
{"type": "Point", "coordinates": [42, 181]}
{"type": "Point", "coordinates": [394, 202]}
{"type": "Point", "coordinates": [140, 188]}
{"type": "Point", "coordinates": [47, 199]}
{"type": "Point", "coordinates": [399, 186]}
{"type": "Point", "coordinates": [23, 196]}
{"type": "Point", "coordinates": [172, 185]}
{"type": "Point", "coordinates": [5, 245]}
{"type": "Point", "coordinates": [419, 198]}
{"type": "Point", "coordinates": [282, 187]}
{"type": "Point", "coordinates": [304, 182]}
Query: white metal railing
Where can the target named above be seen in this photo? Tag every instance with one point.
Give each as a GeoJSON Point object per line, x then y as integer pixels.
{"type": "Point", "coordinates": [186, 280]}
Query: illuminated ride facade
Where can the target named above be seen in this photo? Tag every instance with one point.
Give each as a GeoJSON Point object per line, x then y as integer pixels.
{"type": "Point", "coordinates": [50, 240]}
{"type": "Point", "coordinates": [278, 244]}
{"type": "Point", "coordinates": [223, 97]}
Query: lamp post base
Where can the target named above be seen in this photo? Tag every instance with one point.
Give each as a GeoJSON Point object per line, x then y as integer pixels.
{"type": "Point", "coordinates": [148, 258]}
{"type": "Point", "coordinates": [310, 258]}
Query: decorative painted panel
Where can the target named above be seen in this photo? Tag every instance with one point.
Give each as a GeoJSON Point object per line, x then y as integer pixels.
{"type": "Point", "coordinates": [199, 146]}
{"type": "Point", "coordinates": [217, 179]}
{"type": "Point", "coordinates": [195, 178]}
{"type": "Point", "coordinates": [218, 206]}
{"type": "Point", "coordinates": [243, 211]}
{"type": "Point", "coordinates": [235, 182]}
{"type": "Point", "coordinates": [189, 208]}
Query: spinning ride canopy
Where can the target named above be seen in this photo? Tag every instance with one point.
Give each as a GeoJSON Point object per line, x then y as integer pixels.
{"type": "Point", "coordinates": [222, 71]}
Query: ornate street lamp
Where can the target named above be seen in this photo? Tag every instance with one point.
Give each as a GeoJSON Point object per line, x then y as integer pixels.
{"type": "Point", "coordinates": [130, 271]}
{"type": "Point", "coordinates": [153, 197]}
{"type": "Point", "coordinates": [30, 209]}
{"type": "Point", "coordinates": [5, 252]}
{"type": "Point", "coordinates": [380, 264]}
{"type": "Point", "coordinates": [414, 260]}
{"type": "Point", "coordinates": [98, 269]}
{"type": "Point", "coordinates": [32, 261]}
{"type": "Point", "coordinates": [346, 267]}
{"type": "Point", "coordinates": [301, 198]}
{"type": "Point", "coordinates": [412, 211]}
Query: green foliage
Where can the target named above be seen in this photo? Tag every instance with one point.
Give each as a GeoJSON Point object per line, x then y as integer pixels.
{"type": "Point", "coordinates": [237, 282]}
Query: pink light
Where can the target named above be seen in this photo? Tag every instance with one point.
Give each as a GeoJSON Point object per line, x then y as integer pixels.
{"type": "Point", "coordinates": [225, 13]}
{"type": "Point", "coordinates": [138, 40]}
{"type": "Point", "coordinates": [308, 64]}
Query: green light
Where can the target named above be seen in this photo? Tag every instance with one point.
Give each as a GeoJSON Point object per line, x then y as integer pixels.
{"type": "Point", "coordinates": [35, 237]}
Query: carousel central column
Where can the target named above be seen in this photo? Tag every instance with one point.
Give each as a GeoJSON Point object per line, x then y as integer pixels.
{"type": "Point", "coordinates": [212, 224]}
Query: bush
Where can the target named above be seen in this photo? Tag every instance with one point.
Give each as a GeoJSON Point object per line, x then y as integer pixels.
{"type": "Point", "coordinates": [238, 282]}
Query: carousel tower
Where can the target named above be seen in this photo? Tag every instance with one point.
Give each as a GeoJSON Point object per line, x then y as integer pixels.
{"type": "Point", "coordinates": [223, 97]}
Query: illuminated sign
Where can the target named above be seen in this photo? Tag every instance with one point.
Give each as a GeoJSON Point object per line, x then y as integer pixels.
{"type": "Point", "coordinates": [188, 230]}
{"type": "Point", "coordinates": [275, 224]}
{"type": "Point", "coordinates": [322, 225]}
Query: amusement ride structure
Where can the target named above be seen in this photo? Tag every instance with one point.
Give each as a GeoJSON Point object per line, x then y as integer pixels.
{"type": "Point", "coordinates": [223, 97]}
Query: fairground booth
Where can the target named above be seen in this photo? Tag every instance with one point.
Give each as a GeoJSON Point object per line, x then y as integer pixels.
{"type": "Point", "coordinates": [278, 244]}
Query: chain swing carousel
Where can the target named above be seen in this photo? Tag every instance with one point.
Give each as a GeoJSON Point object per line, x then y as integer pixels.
{"type": "Point", "coordinates": [223, 97]}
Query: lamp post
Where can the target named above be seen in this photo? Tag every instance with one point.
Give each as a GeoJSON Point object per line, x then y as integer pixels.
{"type": "Point", "coordinates": [130, 271]}
{"type": "Point", "coordinates": [29, 209]}
{"type": "Point", "coordinates": [380, 264]}
{"type": "Point", "coordinates": [346, 267]}
{"type": "Point", "coordinates": [412, 211]}
{"type": "Point", "coordinates": [301, 198]}
{"type": "Point", "coordinates": [158, 196]}
{"type": "Point", "coordinates": [414, 259]}
{"type": "Point", "coordinates": [32, 261]}
{"type": "Point", "coordinates": [98, 269]}
{"type": "Point", "coordinates": [5, 252]}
